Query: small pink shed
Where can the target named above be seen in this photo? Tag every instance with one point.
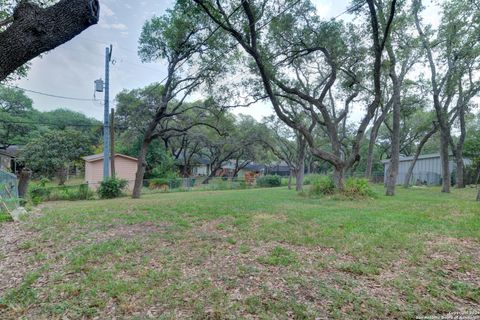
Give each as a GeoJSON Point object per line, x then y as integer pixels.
{"type": "Point", "coordinates": [125, 168]}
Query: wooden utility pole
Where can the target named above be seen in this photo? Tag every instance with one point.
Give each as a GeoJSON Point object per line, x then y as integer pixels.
{"type": "Point", "coordinates": [112, 142]}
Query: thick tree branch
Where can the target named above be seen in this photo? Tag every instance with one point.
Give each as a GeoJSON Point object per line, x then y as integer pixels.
{"type": "Point", "coordinates": [35, 30]}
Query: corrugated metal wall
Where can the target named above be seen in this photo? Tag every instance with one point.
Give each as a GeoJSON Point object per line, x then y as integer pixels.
{"type": "Point", "coordinates": [426, 171]}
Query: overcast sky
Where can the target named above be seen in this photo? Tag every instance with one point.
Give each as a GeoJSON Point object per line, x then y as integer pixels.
{"type": "Point", "coordinates": [70, 69]}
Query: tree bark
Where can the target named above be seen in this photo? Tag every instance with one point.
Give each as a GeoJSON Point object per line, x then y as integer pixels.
{"type": "Point", "coordinates": [290, 179]}
{"type": "Point", "coordinates": [444, 141]}
{"type": "Point", "coordinates": [424, 140]}
{"type": "Point", "coordinates": [300, 172]}
{"type": "Point", "coordinates": [339, 178]}
{"type": "Point", "coordinates": [35, 30]}
{"type": "Point", "coordinates": [62, 176]}
{"type": "Point", "coordinates": [460, 173]}
{"type": "Point", "coordinates": [371, 146]}
{"type": "Point", "coordinates": [392, 172]}
{"type": "Point", "coordinates": [300, 177]}
{"type": "Point", "coordinates": [23, 180]}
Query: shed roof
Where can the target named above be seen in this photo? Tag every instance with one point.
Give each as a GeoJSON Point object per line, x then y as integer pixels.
{"type": "Point", "coordinates": [97, 157]}
{"type": "Point", "coordinates": [424, 156]}
{"type": "Point", "coordinates": [11, 151]}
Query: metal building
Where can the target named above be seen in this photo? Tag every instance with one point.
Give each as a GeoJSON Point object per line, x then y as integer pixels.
{"type": "Point", "coordinates": [427, 170]}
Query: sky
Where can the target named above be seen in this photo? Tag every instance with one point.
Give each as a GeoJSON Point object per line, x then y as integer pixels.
{"type": "Point", "coordinates": [71, 69]}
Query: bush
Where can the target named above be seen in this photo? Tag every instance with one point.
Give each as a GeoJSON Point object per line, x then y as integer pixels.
{"type": "Point", "coordinates": [111, 188]}
{"type": "Point", "coordinates": [321, 185]}
{"type": "Point", "coordinates": [158, 183]}
{"type": "Point", "coordinates": [39, 193]}
{"type": "Point", "coordinates": [164, 183]}
{"type": "Point", "coordinates": [358, 188]}
{"type": "Point", "coordinates": [269, 181]}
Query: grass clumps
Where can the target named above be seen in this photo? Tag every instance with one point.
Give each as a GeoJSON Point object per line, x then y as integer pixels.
{"type": "Point", "coordinates": [269, 181]}
{"type": "Point", "coordinates": [355, 188]}
{"type": "Point", "coordinates": [321, 185]}
{"type": "Point", "coordinates": [279, 257]}
{"type": "Point", "coordinates": [40, 192]}
{"type": "Point", "coordinates": [358, 188]}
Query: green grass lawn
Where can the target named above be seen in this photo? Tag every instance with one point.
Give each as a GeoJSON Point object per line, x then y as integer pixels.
{"type": "Point", "coordinates": [255, 254]}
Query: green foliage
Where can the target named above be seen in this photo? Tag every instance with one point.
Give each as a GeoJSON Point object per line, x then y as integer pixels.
{"type": "Point", "coordinates": [321, 185]}
{"type": "Point", "coordinates": [111, 188]}
{"type": "Point", "coordinates": [15, 107]}
{"type": "Point", "coordinates": [159, 183]}
{"type": "Point", "coordinates": [269, 181]}
{"type": "Point", "coordinates": [52, 152]}
{"type": "Point", "coordinates": [358, 188]}
{"type": "Point", "coordinates": [40, 192]}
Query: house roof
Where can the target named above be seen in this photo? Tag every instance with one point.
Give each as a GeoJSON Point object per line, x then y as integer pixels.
{"type": "Point", "coordinates": [97, 157]}
{"type": "Point", "coordinates": [196, 160]}
{"type": "Point", "coordinates": [11, 151]}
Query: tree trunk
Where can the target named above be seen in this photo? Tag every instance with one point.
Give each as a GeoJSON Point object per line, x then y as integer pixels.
{"type": "Point", "coordinates": [141, 167]}
{"type": "Point", "coordinates": [62, 176]}
{"type": "Point", "coordinates": [392, 172]}
{"type": "Point", "coordinates": [23, 180]}
{"type": "Point", "coordinates": [478, 195]}
{"type": "Point", "coordinates": [339, 178]}
{"type": "Point", "coordinates": [290, 179]}
{"type": "Point", "coordinates": [444, 141]}
{"type": "Point", "coordinates": [35, 30]}
{"type": "Point", "coordinates": [300, 173]}
{"type": "Point", "coordinates": [371, 144]}
{"type": "Point", "coordinates": [424, 140]}
{"type": "Point", "coordinates": [460, 173]}
{"type": "Point", "coordinates": [300, 177]}
{"type": "Point", "coordinates": [211, 175]}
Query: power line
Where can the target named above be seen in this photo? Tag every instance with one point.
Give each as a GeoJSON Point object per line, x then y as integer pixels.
{"type": "Point", "coordinates": [59, 124]}
{"type": "Point", "coordinates": [351, 9]}
{"type": "Point", "coordinates": [51, 95]}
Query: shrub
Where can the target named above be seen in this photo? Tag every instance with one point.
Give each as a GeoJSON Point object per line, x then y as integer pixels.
{"type": "Point", "coordinates": [269, 181]}
{"type": "Point", "coordinates": [111, 188]}
{"type": "Point", "coordinates": [321, 185]}
{"type": "Point", "coordinates": [358, 188]}
{"type": "Point", "coordinates": [164, 183]}
{"type": "Point", "coordinates": [157, 183]}
{"type": "Point", "coordinates": [39, 193]}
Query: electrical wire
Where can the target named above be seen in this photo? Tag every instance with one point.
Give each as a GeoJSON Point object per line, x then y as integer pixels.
{"type": "Point", "coordinates": [52, 95]}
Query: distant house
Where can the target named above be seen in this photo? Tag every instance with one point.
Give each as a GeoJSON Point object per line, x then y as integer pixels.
{"type": "Point", "coordinates": [427, 170]}
{"type": "Point", "coordinates": [199, 166]}
{"type": "Point", "coordinates": [280, 169]}
{"type": "Point", "coordinates": [125, 168]}
{"type": "Point", "coordinates": [8, 158]}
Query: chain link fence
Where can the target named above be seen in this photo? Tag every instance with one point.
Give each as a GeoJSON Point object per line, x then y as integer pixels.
{"type": "Point", "coordinates": [8, 192]}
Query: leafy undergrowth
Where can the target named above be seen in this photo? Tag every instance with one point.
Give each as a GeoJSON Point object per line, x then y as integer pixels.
{"type": "Point", "coordinates": [4, 217]}
{"type": "Point", "coordinates": [245, 254]}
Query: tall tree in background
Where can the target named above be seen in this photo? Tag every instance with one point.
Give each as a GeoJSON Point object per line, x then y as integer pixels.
{"type": "Point", "coordinates": [32, 30]}
{"type": "Point", "coordinates": [452, 55]}
{"type": "Point", "coordinates": [400, 48]}
{"type": "Point", "coordinates": [303, 39]}
{"type": "Point", "coordinates": [289, 146]}
{"type": "Point", "coordinates": [15, 108]}
{"type": "Point", "coordinates": [179, 37]}
{"type": "Point", "coordinates": [53, 152]}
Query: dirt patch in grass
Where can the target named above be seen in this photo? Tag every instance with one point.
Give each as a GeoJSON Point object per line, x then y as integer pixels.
{"type": "Point", "coordinates": [16, 254]}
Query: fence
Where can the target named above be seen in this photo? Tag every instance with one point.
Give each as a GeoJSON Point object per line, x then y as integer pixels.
{"type": "Point", "coordinates": [8, 191]}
